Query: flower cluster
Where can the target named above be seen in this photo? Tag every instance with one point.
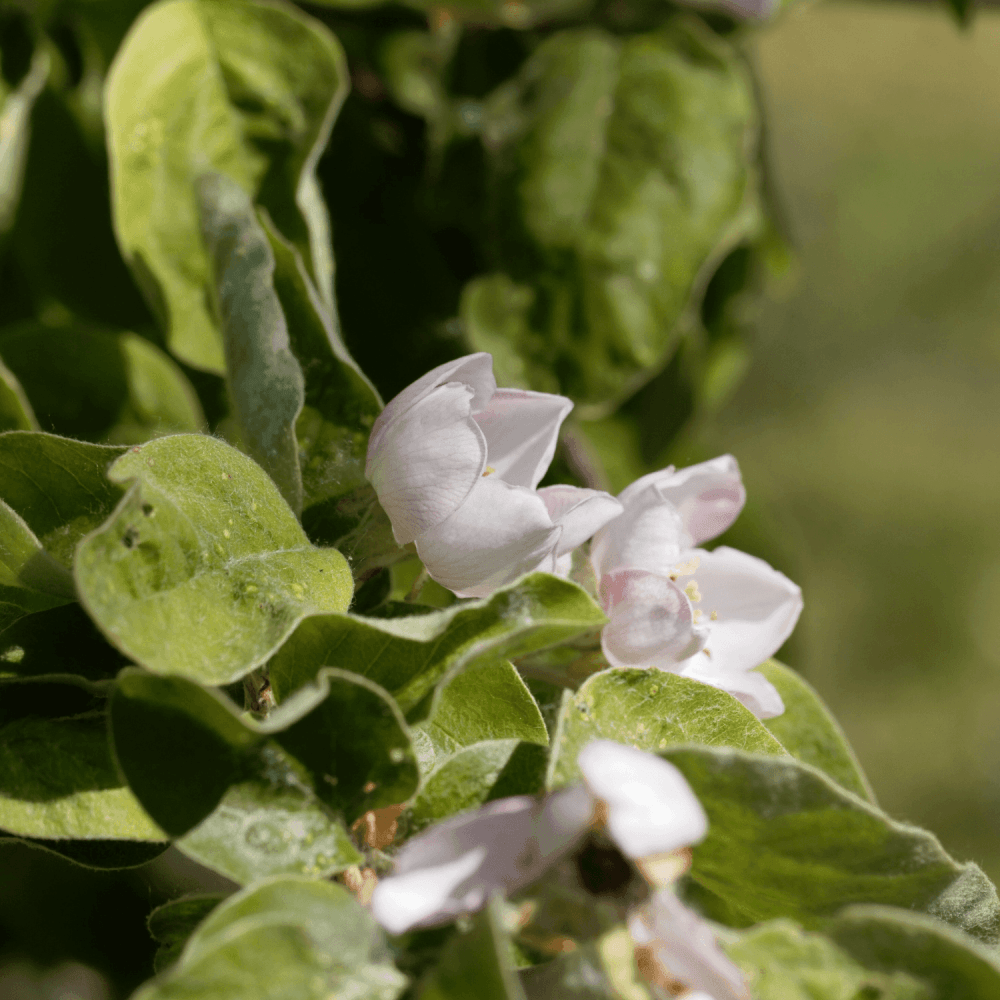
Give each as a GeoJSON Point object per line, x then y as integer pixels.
{"type": "Point", "coordinates": [456, 463]}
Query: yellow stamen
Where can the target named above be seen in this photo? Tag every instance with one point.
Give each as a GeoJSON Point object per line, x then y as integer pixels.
{"type": "Point", "coordinates": [489, 471]}
{"type": "Point", "coordinates": [692, 591]}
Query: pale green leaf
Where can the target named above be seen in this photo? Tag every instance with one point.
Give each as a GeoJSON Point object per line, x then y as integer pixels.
{"type": "Point", "coordinates": [785, 840]}
{"type": "Point", "coordinates": [203, 536]}
{"type": "Point", "coordinates": [101, 386]}
{"type": "Point", "coordinates": [15, 410]}
{"type": "Point", "coordinates": [410, 656]}
{"type": "Point", "coordinates": [622, 168]}
{"type": "Point", "coordinates": [808, 730]}
{"type": "Point", "coordinates": [651, 710]}
{"type": "Point", "coordinates": [246, 89]}
{"type": "Point", "coordinates": [15, 134]}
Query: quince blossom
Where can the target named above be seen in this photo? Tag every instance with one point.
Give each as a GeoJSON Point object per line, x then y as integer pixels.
{"type": "Point", "coordinates": [648, 810]}
{"type": "Point", "coordinates": [711, 616]}
{"type": "Point", "coordinates": [455, 463]}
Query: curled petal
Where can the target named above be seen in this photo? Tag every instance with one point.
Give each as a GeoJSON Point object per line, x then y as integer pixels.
{"type": "Point", "coordinates": [750, 688]}
{"type": "Point", "coordinates": [649, 535]}
{"type": "Point", "coordinates": [579, 512]}
{"type": "Point", "coordinates": [686, 948]}
{"type": "Point", "coordinates": [708, 497]}
{"type": "Point", "coordinates": [426, 463]}
{"type": "Point", "coordinates": [474, 370]}
{"type": "Point", "coordinates": [454, 867]}
{"type": "Point", "coordinates": [756, 607]}
{"type": "Point", "coordinates": [521, 430]}
{"type": "Point", "coordinates": [499, 533]}
{"type": "Point", "coordinates": [651, 621]}
{"type": "Point", "coordinates": [650, 806]}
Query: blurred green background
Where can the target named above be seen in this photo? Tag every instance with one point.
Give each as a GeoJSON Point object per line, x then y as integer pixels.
{"type": "Point", "coordinates": [868, 424]}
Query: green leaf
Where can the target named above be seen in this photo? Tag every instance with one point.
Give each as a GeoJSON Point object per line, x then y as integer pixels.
{"type": "Point", "coordinates": [785, 840]}
{"type": "Point", "coordinates": [475, 964]}
{"type": "Point", "coordinates": [15, 134]}
{"type": "Point", "coordinates": [273, 825]}
{"type": "Point", "coordinates": [171, 924]}
{"type": "Point", "coordinates": [596, 970]}
{"type": "Point", "coordinates": [203, 536]}
{"type": "Point", "coordinates": [15, 410]}
{"type": "Point", "coordinates": [808, 730]}
{"type": "Point", "coordinates": [489, 703]}
{"type": "Point", "coordinates": [102, 855]}
{"type": "Point", "coordinates": [949, 964]}
{"type": "Point", "coordinates": [246, 89]}
{"type": "Point", "coordinates": [59, 641]}
{"type": "Point", "coordinates": [285, 937]}
{"type": "Point", "coordinates": [410, 656]}
{"type": "Point", "coordinates": [494, 769]}
{"type": "Point", "coordinates": [651, 710]}
{"type": "Point", "coordinates": [23, 561]}
{"type": "Point", "coordinates": [783, 962]}
{"type": "Point", "coordinates": [86, 383]}
{"type": "Point", "coordinates": [622, 174]}
{"type": "Point", "coordinates": [352, 738]}
{"type": "Point", "coordinates": [57, 486]}
{"type": "Point", "coordinates": [57, 777]}
{"type": "Point", "coordinates": [265, 379]}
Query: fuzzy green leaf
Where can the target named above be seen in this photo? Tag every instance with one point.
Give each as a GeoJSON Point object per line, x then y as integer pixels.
{"type": "Point", "coordinates": [623, 173]}
{"type": "Point", "coordinates": [171, 924]}
{"type": "Point", "coordinates": [111, 387]}
{"type": "Point", "coordinates": [203, 536]}
{"type": "Point", "coordinates": [247, 89]}
{"type": "Point", "coordinates": [786, 840]}
{"type": "Point", "coordinates": [410, 656]}
{"type": "Point", "coordinates": [651, 710]}
{"type": "Point", "coordinates": [808, 731]}
{"type": "Point", "coordinates": [15, 410]}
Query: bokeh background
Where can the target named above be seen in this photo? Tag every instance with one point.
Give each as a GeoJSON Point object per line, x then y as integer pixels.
{"type": "Point", "coordinates": [867, 426]}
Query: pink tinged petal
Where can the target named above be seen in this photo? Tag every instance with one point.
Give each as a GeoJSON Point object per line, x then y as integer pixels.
{"type": "Point", "coordinates": [651, 621]}
{"type": "Point", "coordinates": [708, 497]}
{"type": "Point", "coordinates": [757, 608]}
{"type": "Point", "coordinates": [521, 430]}
{"type": "Point", "coordinates": [750, 688]}
{"type": "Point", "coordinates": [474, 370]}
{"type": "Point", "coordinates": [427, 462]}
{"type": "Point", "coordinates": [579, 512]}
{"type": "Point", "coordinates": [454, 867]}
{"type": "Point", "coordinates": [650, 806]}
{"type": "Point", "coordinates": [687, 948]}
{"type": "Point", "coordinates": [649, 535]}
{"type": "Point", "coordinates": [499, 533]}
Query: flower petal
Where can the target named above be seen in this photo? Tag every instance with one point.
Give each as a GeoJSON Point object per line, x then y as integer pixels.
{"type": "Point", "coordinates": [686, 947]}
{"type": "Point", "coordinates": [649, 535]}
{"type": "Point", "coordinates": [426, 463]}
{"type": "Point", "coordinates": [474, 370]}
{"type": "Point", "coordinates": [521, 429]}
{"type": "Point", "coordinates": [754, 690]}
{"type": "Point", "coordinates": [499, 533]}
{"type": "Point", "coordinates": [454, 867]}
{"type": "Point", "coordinates": [708, 497]}
{"type": "Point", "coordinates": [580, 512]}
{"type": "Point", "coordinates": [650, 806]}
{"type": "Point", "coordinates": [757, 608]}
{"type": "Point", "coordinates": [651, 621]}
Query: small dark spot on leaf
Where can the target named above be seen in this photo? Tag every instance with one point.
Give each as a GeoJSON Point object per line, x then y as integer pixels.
{"type": "Point", "coordinates": [130, 538]}
{"type": "Point", "coordinates": [147, 509]}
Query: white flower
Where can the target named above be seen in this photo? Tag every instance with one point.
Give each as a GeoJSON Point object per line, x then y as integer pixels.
{"type": "Point", "coordinates": [711, 616]}
{"type": "Point", "coordinates": [455, 462]}
{"type": "Point", "coordinates": [455, 866]}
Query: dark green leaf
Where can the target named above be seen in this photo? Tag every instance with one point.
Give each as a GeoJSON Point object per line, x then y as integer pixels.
{"type": "Point", "coordinates": [476, 774]}
{"type": "Point", "coordinates": [103, 855]}
{"type": "Point", "coordinates": [247, 89]}
{"type": "Point", "coordinates": [58, 486]}
{"type": "Point", "coordinates": [948, 964]}
{"type": "Point", "coordinates": [410, 656]}
{"type": "Point", "coordinates": [786, 840]}
{"type": "Point", "coordinates": [171, 924]}
{"type": "Point", "coordinates": [283, 938]}
{"type": "Point", "coordinates": [351, 737]}
{"type": "Point", "coordinates": [651, 710]}
{"type": "Point", "coordinates": [57, 777]}
{"type": "Point", "coordinates": [807, 730]}
{"type": "Point", "coordinates": [15, 410]}
{"type": "Point", "coordinates": [203, 536]}
{"type": "Point", "coordinates": [476, 964]}
{"type": "Point", "coordinates": [112, 387]}
{"type": "Point", "coordinates": [15, 130]}
{"type": "Point", "coordinates": [622, 170]}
